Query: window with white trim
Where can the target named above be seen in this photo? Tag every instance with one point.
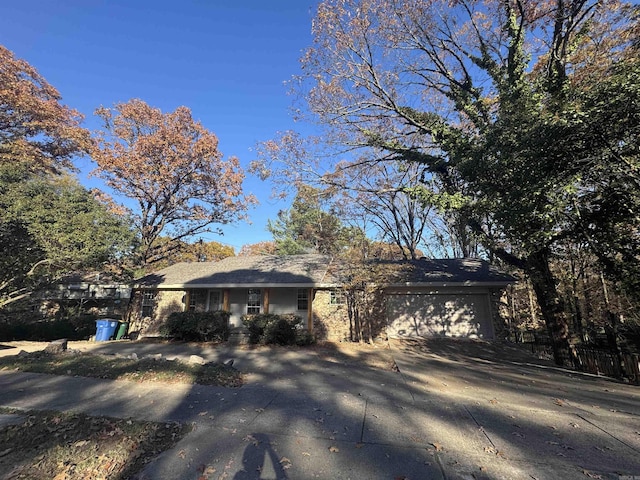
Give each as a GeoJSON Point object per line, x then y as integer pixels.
{"type": "Point", "coordinates": [254, 301]}
{"type": "Point", "coordinates": [196, 300]}
{"type": "Point", "coordinates": [303, 299]}
{"type": "Point", "coordinates": [148, 302]}
{"type": "Point", "coordinates": [337, 297]}
{"type": "Point", "coordinates": [215, 300]}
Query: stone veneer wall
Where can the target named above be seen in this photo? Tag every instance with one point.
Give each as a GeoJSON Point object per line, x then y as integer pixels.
{"type": "Point", "coordinates": [167, 302]}
{"type": "Point", "coordinates": [330, 322]}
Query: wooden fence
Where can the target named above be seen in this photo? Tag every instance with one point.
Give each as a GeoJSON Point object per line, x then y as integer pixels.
{"type": "Point", "coordinates": [597, 361]}
{"type": "Point", "coordinates": [632, 367]}
{"type": "Point", "coordinates": [606, 362]}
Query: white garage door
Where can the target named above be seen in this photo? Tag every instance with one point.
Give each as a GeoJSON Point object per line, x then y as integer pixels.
{"type": "Point", "coordinates": [439, 315]}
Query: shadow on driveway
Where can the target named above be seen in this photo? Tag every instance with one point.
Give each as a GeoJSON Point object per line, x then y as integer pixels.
{"type": "Point", "coordinates": [461, 410]}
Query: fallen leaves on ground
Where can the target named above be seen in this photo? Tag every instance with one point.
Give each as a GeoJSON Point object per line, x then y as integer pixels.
{"type": "Point", "coordinates": [437, 446]}
{"type": "Point", "coordinates": [591, 475]}
{"type": "Point", "coordinates": [74, 363]}
{"type": "Point", "coordinates": [376, 356]}
{"type": "Point", "coordinates": [77, 446]}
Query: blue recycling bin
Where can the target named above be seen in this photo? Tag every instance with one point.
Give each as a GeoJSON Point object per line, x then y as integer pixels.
{"type": "Point", "coordinates": [105, 329]}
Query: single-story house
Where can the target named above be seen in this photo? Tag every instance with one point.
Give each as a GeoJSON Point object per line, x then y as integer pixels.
{"type": "Point", "coordinates": [452, 298]}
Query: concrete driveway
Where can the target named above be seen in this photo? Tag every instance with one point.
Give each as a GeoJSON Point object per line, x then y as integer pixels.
{"type": "Point", "coordinates": [529, 412]}
{"type": "Point", "coordinates": [453, 410]}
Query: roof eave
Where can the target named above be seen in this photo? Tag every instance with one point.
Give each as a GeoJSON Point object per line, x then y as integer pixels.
{"type": "Point", "coordinates": [187, 286]}
{"type": "Point", "coordinates": [452, 284]}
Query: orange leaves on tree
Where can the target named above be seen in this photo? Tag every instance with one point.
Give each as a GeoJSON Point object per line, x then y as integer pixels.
{"type": "Point", "coordinates": [260, 248]}
{"type": "Point", "coordinates": [35, 128]}
{"type": "Point", "coordinates": [170, 165]}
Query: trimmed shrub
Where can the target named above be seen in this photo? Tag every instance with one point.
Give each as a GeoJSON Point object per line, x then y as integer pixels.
{"type": "Point", "coordinates": [280, 332]}
{"type": "Point", "coordinates": [304, 338]}
{"type": "Point", "coordinates": [256, 324]}
{"type": "Point", "coordinates": [269, 328]}
{"type": "Point", "coordinates": [197, 326]}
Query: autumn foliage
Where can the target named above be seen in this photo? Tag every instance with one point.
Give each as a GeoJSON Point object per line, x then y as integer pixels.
{"type": "Point", "coordinates": [170, 165]}
{"type": "Point", "coordinates": [260, 248]}
{"type": "Point", "coordinates": [50, 225]}
{"type": "Point", "coordinates": [35, 128]}
{"type": "Point", "coordinates": [199, 251]}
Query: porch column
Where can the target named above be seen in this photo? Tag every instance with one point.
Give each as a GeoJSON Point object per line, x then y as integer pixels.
{"type": "Point", "coordinates": [266, 301]}
{"type": "Point", "coordinates": [187, 300]}
{"type": "Point", "coordinates": [310, 311]}
{"type": "Point", "coordinates": [225, 300]}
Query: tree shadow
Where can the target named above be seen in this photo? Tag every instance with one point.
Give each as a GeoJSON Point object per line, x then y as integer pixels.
{"type": "Point", "coordinates": [446, 316]}
{"type": "Point", "coordinates": [332, 416]}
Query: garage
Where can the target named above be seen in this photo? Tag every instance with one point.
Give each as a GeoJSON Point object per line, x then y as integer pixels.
{"type": "Point", "coordinates": [439, 314]}
{"type": "Point", "coordinates": [451, 298]}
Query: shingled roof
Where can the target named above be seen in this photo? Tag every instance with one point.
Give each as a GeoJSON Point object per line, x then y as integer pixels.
{"type": "Point", "coordinates": [450, 271]}
{"type": "Point", "coordinates": [312, 270]}
{"type": "Point", "coordinates": [261, 270]}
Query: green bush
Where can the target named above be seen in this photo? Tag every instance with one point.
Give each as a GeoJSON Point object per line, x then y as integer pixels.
{"type": "Point", "coordinates": [280, 332]}
{"type": "Point", "coordinates": [197, 326]}
{"type": "Point", "coordinates": [304, 338]}
{"type": "Point", "coordinates": [269, 328]}
{"type": "Point", "coordinates": [256, 324]}
{"type": "Point", "coordinates": [72, 328]}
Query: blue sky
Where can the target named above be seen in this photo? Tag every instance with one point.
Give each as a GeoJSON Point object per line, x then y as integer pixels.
{"type": "Point", "coordinates": [226, 60]}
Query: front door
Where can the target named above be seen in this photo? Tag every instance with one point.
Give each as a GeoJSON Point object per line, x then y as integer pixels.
{"type": "Point", "coordinates": [215, 301]}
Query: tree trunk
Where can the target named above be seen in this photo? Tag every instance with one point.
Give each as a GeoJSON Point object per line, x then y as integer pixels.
{"type": "Point", "coordinates": [532, 303]}
{"type": "Point", "coordinates": [551, 305]}
{"type": "Point", "coordinates": [367, 308]}
{"type": "Point", "coordinates": [354, 317]}
{"type": "Point", "coordinates": [350, 314]}
{"type": "Point", "coordinates": [611, 328]}
{"type": "Point", "coordinates": [513, 321]}
{"type": "Point", "coordinates": [588, 309]}
{"type": "Point", "coordinates": [575, 301]}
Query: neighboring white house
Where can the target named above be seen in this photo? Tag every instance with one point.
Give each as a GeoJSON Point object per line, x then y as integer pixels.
{"type": "Point", "coordinates": [452, 298]}
{"type": "Point", "coordinates": [92, 292]}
